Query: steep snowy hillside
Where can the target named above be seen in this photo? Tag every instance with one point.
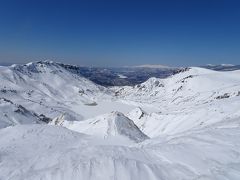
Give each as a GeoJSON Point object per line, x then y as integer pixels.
{"type": "Point", "coordinates": [105, 126]}
{"type": "Point", "coordinates": [13, 114]}
{"type": "Point", "coordinates": [46, 87]}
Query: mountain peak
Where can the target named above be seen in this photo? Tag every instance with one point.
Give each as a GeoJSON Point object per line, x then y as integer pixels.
{"type": "Point", "coordinates": [111, 125]}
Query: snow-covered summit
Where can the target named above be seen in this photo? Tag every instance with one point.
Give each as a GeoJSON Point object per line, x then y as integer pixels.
{"type": "Point", "coordinates": [35, 67]}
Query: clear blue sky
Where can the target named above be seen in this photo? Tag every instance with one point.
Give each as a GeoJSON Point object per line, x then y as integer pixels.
{"type": "Point", "coordinates": [116, 33]}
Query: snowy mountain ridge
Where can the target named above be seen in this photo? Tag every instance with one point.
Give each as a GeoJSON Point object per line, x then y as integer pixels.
{"type": "Point", "coordinates": [184, 84]}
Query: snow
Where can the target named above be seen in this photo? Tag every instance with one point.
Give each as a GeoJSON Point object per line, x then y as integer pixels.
{"type": "Point", "coordinates": [122, 76]}
{"type": "Point", "coordinates": [13, 114]}
{"type": "Point", "coordinates": [227, 65]}
{"type": "Point", "coordinates": [59, 153]}
{"type": "Point", "coordinates": [186, 126]}
{"type": "Point", "coordinates": [114, 124]}
{"type": "Point", "coordinates": [47, 88]}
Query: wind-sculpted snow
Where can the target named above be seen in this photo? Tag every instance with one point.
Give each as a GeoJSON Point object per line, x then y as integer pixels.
{"type": "Point", "coordinates": [186, 126]}
{"type": "Point", "coordinates": [62, 154]}
{"type": "Point", "coordinates": [50, 152]}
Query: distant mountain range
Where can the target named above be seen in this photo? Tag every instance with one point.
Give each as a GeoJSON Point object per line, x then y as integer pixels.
{"type": "Point", "coordinates": [132, 75]}
{"type": "Point", "coordinates": [223, 67]}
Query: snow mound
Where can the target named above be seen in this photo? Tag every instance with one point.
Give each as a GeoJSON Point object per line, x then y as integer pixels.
{"type": "Point", "coordinates": [111, 125]}
{"type": "Point", "coordinates": [63, 154]}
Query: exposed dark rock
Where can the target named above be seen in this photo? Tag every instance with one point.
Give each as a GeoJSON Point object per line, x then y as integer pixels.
{"type": "Point", "coordinates": [226, 95]}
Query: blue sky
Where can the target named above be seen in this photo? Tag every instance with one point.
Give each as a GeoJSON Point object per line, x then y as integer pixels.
{"type": "Point", "coordinates": [118, 33]}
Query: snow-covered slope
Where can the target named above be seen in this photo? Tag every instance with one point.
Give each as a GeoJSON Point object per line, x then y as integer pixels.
{"type": "Point", "coordinates": [46, 88]}
{"type": "Point", "coordinates": [13, 114]}
{"type": "Point", "coordinates": [105, 126]}
{"type": "Point", "coordinates": [172, 120]}
{"type": "Point", "coordinates": [193, 84]}
{"type": "Point", "coordinates": [58, 153]}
